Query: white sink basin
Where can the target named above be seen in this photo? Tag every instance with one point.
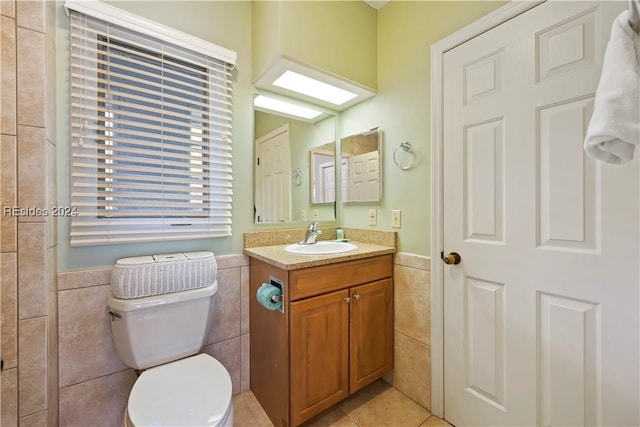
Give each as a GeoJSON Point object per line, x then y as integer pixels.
{"type": "Point", "coordinates": [321, 248]}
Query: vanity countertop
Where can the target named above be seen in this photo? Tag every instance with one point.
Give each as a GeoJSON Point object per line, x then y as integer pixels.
{"type": "Point", "coordinates": [277, 256]}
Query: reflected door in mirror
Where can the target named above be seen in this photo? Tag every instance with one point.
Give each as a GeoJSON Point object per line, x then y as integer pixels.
{"type": "Point", "coordinates": [323, 174]}
{"type": "Point", "coordinates": [364, 175]}
{"type": "Point", "coordinates": [273, 201]}
{"type": "Point", "coordinates": [361, 153]}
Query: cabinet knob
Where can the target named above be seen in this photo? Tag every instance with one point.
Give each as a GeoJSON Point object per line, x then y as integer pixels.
{"type": "Point", "coordinates": [356, 297]}
{"type": "Point", "coordinates": [347, 299]}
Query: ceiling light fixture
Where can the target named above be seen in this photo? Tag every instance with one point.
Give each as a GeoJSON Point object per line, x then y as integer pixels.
{"type": "Point", "coordinates": [284, 107]}
{"type": "Point", "coordinates": [313, 88]}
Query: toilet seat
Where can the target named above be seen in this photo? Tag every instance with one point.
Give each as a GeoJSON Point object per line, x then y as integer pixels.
{"type": "Point", "coordinates": [195, 391]}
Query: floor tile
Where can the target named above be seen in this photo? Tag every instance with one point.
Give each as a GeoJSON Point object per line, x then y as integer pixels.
{"type": "Point", "coordinates": [257, 411]}
{"type": "Point", "coordinates": [242, 415]}
{"type": "Point", "coordinates": [380, 405]}
{"type": "Point", "coordinates": [434, 421]}
{"type": "Point", "coordinates": [332, 417]}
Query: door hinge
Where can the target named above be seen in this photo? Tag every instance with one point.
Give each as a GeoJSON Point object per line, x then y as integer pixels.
{"type": "Point", "coordinates": [258, 159]}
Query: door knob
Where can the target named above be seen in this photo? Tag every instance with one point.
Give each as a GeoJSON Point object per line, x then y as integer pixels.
{"type": "Point", "coordinates": [452, 258]}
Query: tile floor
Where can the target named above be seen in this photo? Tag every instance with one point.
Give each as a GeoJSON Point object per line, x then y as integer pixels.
{"type": "Point", "coordinates": [378, 405]}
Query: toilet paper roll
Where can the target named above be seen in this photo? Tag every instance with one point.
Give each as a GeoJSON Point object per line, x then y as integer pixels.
{"type": "Point", "coordinates": [264, 295]}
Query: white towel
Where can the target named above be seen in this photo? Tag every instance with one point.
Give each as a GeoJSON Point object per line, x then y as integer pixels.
{"type": "Point", "coordinates": [614, 129]}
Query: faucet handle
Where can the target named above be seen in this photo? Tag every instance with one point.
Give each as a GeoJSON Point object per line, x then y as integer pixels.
{"type": "Point", "coordinates": [313, 226]}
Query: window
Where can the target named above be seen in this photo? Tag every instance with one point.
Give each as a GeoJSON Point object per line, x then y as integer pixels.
{"type": "Point", "coordinates": [150, 134]}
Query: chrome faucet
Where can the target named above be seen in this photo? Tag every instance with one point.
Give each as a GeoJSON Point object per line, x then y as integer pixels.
{"type": "Point", "coordinates": [312, 235]}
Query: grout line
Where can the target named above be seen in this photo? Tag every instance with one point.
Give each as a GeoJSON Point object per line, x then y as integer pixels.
{"type": "Point", "coordinates": [92, 379]}
{"type": "Point", "coordinates": [413, 339]}
{"type": "Point", "coordinates": [32, 414]}
{"type": "Point", "coordinates": [83, 287]}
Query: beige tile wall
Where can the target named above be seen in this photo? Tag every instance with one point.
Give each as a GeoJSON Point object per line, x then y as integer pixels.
{"type": "Point", "coordinates": [94, 383]}
{"type": "Point", "coordinates": [412, 328]}
{"type": "Point", "coordinates": [28, 310]}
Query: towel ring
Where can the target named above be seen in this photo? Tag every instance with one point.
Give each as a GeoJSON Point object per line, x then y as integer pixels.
{"type": "Point", "coordinates": [407, 148]}
{"type": "Point", "coordinates": [297, 176]}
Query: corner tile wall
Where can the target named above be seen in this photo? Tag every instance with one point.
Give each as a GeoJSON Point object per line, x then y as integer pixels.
{"type": "Point", "coordinates": [94, 383]}
{"type": "Point", "coordinates": [27, 238]}
{"type": "Point", "coordinates": [412, 328]}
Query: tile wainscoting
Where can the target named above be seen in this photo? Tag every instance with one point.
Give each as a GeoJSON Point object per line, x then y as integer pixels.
{"type": "Point", "coordinates": [28, 312]}
{"type": "Point", "coordinates": [412, 328]}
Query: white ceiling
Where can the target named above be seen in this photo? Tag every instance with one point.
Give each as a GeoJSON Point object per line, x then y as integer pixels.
{"type": "Point", "coordinates": [377, 4]}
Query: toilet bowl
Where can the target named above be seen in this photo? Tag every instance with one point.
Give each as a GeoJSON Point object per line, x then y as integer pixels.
{"type": "Point", "coordinates": [195, 391]}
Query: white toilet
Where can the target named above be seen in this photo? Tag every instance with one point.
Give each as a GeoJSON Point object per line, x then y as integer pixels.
{"type": "Point", "coordinates": [162, 335]}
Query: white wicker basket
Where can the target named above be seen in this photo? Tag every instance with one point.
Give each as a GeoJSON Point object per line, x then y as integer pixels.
{"type": "Point", "coordinates": [144, 276]}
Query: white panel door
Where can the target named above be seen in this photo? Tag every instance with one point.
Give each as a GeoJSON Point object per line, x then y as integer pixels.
{"type": "Point", "coordinates": [328, 182]}
{"type": "Point", "coordinates": [273, 186]}
{"type": "Point", "coordinates": [344, 180]}
{"type": "Point", "coordinates": [364, 172]}
{"type": "Point", "coordinates": [541, 315]}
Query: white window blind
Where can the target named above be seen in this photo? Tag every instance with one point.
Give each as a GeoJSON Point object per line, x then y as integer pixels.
{"type": "Point", "coordinates": [150, 137]}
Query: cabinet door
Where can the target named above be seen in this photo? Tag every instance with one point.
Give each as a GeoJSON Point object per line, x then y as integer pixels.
{"type": "Point", "coordinates": [318, 354]}
{"type": "Point", "coordinates": [371, 323]}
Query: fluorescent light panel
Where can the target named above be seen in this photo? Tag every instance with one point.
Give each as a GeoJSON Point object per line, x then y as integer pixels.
{"type": "Point", "coordinates": [273, 104]}
{"type": "Point", "coordinates": [313, 88]}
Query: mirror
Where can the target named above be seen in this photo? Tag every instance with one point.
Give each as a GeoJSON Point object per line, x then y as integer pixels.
{"type": "Point", "coordinates": [285, 149]}
{"type": "Point", "coordinates": [361, 167]}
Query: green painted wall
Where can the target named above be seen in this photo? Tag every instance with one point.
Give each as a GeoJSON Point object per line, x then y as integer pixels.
{"type": "Point", "coordinates": [265, 36]}
{"type": "Point", "coordinates": [406, 31]}
{"type": "Point", "coordinates": [335, 36]}
{"type": "Point", "coordinates": [226, 23]}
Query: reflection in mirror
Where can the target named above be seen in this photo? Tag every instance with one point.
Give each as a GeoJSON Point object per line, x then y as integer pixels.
{"type": "Point", "coordinates": [323, 173]}
{"type": "Point", "coordinates": [361, 171]}
{"type": "Point", "coordinates": [283, 172]}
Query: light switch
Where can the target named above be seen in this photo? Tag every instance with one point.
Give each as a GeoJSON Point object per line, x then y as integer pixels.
{"type": "Point", "coordinates": [373, 217]}
{"type": "Point", "coordinates": [395, 218]}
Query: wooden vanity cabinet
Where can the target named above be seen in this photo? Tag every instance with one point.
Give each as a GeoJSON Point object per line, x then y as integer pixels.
{"type": "Point", "coordinates": [338, 324]}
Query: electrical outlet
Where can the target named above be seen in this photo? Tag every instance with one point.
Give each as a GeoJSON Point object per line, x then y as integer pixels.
{"type": "Point", "coordinates": [315, 214]}
{"type": "Point", "coordinates": [303, 214]}
{"type": "Point", "coordinates": [395, 218]}
{"type": "Point", "coordinates": [373, 217]}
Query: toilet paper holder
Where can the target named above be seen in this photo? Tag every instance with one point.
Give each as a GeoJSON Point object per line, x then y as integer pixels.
{"type": "Point", "coordinates": [278, 283]}
{"type": "Point", "coordinates": [276, 298]}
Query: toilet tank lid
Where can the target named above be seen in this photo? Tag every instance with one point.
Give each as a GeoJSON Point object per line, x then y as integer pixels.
{"type": "Point", "coordinates": [155, 300]}
{"type": "Point", "coordinates": [152, 259]}
{"type": "Point", "coordinates": [195, 391]}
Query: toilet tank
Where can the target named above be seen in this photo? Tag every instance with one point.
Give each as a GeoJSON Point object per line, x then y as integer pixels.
{"type": "Point", "coordinates": [158, 329]}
